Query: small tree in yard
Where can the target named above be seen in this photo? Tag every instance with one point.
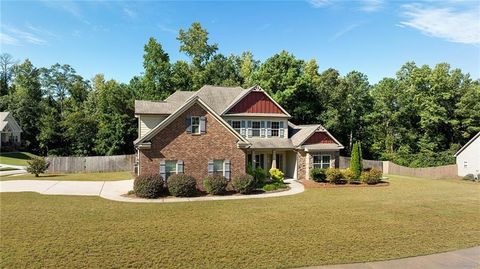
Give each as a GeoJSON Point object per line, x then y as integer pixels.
{"type": "Point", "coordinates": [37, 166]}
{"type": "Point", "coordinates": [356, 160]}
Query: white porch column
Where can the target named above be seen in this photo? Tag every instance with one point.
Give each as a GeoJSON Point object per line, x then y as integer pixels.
{"type": "Point", "coordinates": [274, 159]}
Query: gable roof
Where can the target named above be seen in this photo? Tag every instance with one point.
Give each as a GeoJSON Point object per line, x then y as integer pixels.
{"type": "Point", "coordinates": [6, 118]}
{"type": "Point", "coordinates": [194, 100]}
{"type": "Point", "coordinates": [301, 133]}
{"type": "Point", "coordinates": [220, 99]}
{"type": "Point", "coordinates": [245, 94]}
{"type": "Point", "coordinates": [467, 144]}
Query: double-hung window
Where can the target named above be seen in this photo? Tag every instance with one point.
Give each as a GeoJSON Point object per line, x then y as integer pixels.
{"type": "Point", "coordinates": [236, 125]}
{"type": "Point", "coordinates": [255, 129]}
{"type": "Point", "coordinates": [218, 167]}
{"type": "Point", "coordinates": [195, 123]}
{"type": "Point", "coordinates": [275, 128]}
{"type": "Point", "coordinates": [170, 168]}
{"type": "Point", "coordinates": [321, 161]}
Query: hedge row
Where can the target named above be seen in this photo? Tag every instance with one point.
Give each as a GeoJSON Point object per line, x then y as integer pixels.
{"type": "Point", "coordinates": [336, 176]}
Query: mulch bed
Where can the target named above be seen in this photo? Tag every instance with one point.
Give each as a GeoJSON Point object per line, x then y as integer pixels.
{"type": "Point", "coordinates": [310, 184]}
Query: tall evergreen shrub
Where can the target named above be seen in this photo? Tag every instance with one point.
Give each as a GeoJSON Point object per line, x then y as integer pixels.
{"type": "Point", "coordinates": [356, 160]}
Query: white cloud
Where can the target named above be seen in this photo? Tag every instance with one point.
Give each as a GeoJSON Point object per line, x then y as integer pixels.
{"type": "Point", "coordinates": [21, 35]}
{"type": "Point", "coordinates": [344, 31]}
{"type": "Point", "coordinates": [167, 29]}
{"type": "Point", "coordinates": [8, 40]}
{"type": "Point", "coordinates": [371, 5]}
{"type": "Point", "coordinates": [447, 23]}
{"type": "Point", "coordinates": [130, 13]}
{"type": "Point", "coordinates": [319, 3]}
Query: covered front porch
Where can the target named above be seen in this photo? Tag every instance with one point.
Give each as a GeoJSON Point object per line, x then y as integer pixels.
{"type": "Point", "coordinates": [283, 159]}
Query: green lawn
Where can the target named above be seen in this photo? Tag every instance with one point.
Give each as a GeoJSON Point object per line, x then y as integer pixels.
{"type": "Point", "coordinates": [79, 176]}
{"type": "Point", "coordinates": [320, 226]}
{"type": "Point", "coordinates": [15, 158]}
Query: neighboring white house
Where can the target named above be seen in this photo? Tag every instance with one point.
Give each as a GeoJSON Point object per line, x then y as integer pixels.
{"type": "Point", "coordinates": [468, 157]}
{"type": "Point", "coordinates": [9, 131]}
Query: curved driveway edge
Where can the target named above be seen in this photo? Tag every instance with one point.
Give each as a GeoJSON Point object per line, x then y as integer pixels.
{"type": "Point", "coordinates": [468, 258]}
{"type": "Point", "coordinates": [113, 190]}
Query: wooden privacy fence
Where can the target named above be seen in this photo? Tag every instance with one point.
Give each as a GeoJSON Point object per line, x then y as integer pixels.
{"type": "Point", "coordinates": [438, 172]}
{"type": "Point", "coordinates": [90, 164]}
{"type": "Point", "coordinates": [344, 162]}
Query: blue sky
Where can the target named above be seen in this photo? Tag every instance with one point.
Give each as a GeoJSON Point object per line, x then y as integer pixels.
{"type": "Point", "coordinates": [372, 36]}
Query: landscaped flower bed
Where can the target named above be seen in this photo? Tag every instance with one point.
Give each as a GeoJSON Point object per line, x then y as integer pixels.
{"type": "Point", "coordinates": [255, 182]}
{"type": "Point", "coordinates": [334, 177]}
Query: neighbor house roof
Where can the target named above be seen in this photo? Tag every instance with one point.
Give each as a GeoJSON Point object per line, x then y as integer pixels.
{"type": "Point", "coordinates": [467, 144]}
{"type": "Point", "coordinates": [6, 118]}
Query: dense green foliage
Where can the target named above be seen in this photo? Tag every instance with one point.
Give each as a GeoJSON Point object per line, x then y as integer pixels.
{"type": "Point", "coordinates": [215, 184]}
{"type": "Point", "coordinates": [181, 185]}
{"type": "Point", "coordinates": [244, 184]}
{"type": "Point", "coordinates": [334, 175]}
{"type": "Point", "coordinates": [37, 166]}
{"type": "Point", "coordinates": [148, 186]}
{"type": "Point", "coordinates": [356, 160]}
{"type": "Point", "coordinates": [317, 174]}
{"type": "Point", "coordinates": [350, 176]}
{"type": "Point", "coordinates": [372, 176]}
{"type": "Point", "coordinates": [418, 118]}
{"type": "Point", "coordinates": [274, 186]}
{"type": "Point", "coordinates": [276, 175]}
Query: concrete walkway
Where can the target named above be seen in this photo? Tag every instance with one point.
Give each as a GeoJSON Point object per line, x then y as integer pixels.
{"type": "Point", "coordinates": [113, 190]}
{"type": "Point", "coordinates": [459, 259]}
{"type": "Point", "coordinates": [20, 170]}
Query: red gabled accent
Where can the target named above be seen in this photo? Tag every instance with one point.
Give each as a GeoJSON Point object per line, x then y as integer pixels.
{"type": "Point", "coordinates": [320, 138]}
{"type": "Point", "coordinates": [255, 102]}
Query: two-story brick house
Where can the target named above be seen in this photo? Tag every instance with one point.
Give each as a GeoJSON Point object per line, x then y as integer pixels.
{"type": "Point", "coordinates": [221, 130]}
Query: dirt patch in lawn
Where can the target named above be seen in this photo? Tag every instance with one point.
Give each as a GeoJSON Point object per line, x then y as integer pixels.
{"type": "Point", "coordinates": [310, 184]}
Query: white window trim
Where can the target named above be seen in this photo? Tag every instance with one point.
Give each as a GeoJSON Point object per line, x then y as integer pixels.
{"type": "Point", "coordinates": [321, 160]}
{"type": "Point", "coordinates": [239, 123]}
{"type": "Point", "coordinates": [259, 128]}
{"type": "Point", "coordinates": [197, 125]}
{"type": "Point", "coordinates": [274, 129]}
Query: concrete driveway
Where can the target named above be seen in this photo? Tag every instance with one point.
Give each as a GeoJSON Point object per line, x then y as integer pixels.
{"type": "Point", "coordinates": [20, 170]}
{"type": "Point", "coordinates": [114, 190]}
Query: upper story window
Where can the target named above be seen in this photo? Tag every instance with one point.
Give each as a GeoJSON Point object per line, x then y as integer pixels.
{"type": "Point", "coordinates": [275, 128]}
{"type": "Point", "coordinates": [255, 129]}
{"type": "Point", "coordinates": [237, 125]}
{"type": "Point", "coordinates": [195, 123]}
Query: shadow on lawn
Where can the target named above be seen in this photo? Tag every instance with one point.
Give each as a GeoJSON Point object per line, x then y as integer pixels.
{"type": "Point", "coordinates": [16, 155]}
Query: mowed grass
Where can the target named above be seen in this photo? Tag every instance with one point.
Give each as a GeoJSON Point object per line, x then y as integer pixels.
{"type": "Point", "coordinates": [16, 158]}
{"type": "Point", "coordinates": [108, 176]}
{"type": "Point", "coordinates": [320, 226]}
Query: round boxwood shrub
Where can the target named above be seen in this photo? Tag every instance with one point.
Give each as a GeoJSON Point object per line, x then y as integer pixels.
{"type": "Point", "coordinates": [334, 175]}
{"type": "Point", "coordinates": [181, 185]}
{"type": "Point", "coordinates": [243, 183]}
{"type": "Point", "coordinates": [374, 176]}
{"type": "Point", "coordinates": [349, 175]}
{"type": "Point", "coordinates": [318, 174]}
{"type": "Point", "coordinates": [215, 184]}
{"type": "Point", "coordinates": [148, 186]}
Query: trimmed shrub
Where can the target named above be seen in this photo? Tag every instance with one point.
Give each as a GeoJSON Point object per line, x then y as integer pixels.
{"type": "Point", "coordinates": [259, 175]}
{"type": "Point", "coordinates": [243, 183]}
{"type": "Point", "coordinates": [356, 160]}
{"type": "Point", "coordinates": [333, 175]}
{"type": "Point", "coordinates": [148, 186]}
{"type": "Point", "coordinates": [318, 174]}
{"type": "Point", "coordinates": [274, 186]}
{"type": "Point", "coordinates": [469, 177]}
{"type": "Point", "coordinates": [276, 175]}
{"type": "Point", "coordinates": [373, 176]}
{"type": "Point", "coordinates": [215, 184]}
{"type": "Point", "coordinates": [181, 185]}
{"type": "Point", "coordinates": [348, 175]}
{"type": "Point", "coordinates": [36, 166]}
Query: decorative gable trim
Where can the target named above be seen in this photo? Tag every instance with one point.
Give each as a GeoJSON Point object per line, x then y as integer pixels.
{"type": "Point", "coordinates": [246, 93]}
{"type": "Point", "coordinates": [322, 129]}
{"type": "Point", "coordinates": [195, 100]}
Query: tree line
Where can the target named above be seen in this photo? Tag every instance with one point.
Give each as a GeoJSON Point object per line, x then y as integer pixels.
{"type": "Point", "coordinates": [418, 118]}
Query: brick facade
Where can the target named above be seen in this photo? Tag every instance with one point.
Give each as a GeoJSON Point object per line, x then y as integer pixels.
{"type": "Point", "coordinates": [301, 165]}
{"type": "Point", "coordinates": [173, 143]}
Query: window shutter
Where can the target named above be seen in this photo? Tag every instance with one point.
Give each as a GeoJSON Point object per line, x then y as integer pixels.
{"type": "Point", "coordinates": [281, 129]}
{"type": "Point", "coordinates": [269, 128]}
{"type": "Point", "coordinates": [163, 174]}
{"type": "Point", "coordinates": [226, 168]}
{"type": "Point", "coordinates": [203, 125]}
{"type": "Point", "coordinates": [242, 129]}
{"type": "Point", "coordinates": [180, 167]}
{"type": "Point", "coordinates": [262, 129]}
{"type": "Point", "coordinates": [210, 167]}
{"type": "Point", "coordinates": [188, 122]}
